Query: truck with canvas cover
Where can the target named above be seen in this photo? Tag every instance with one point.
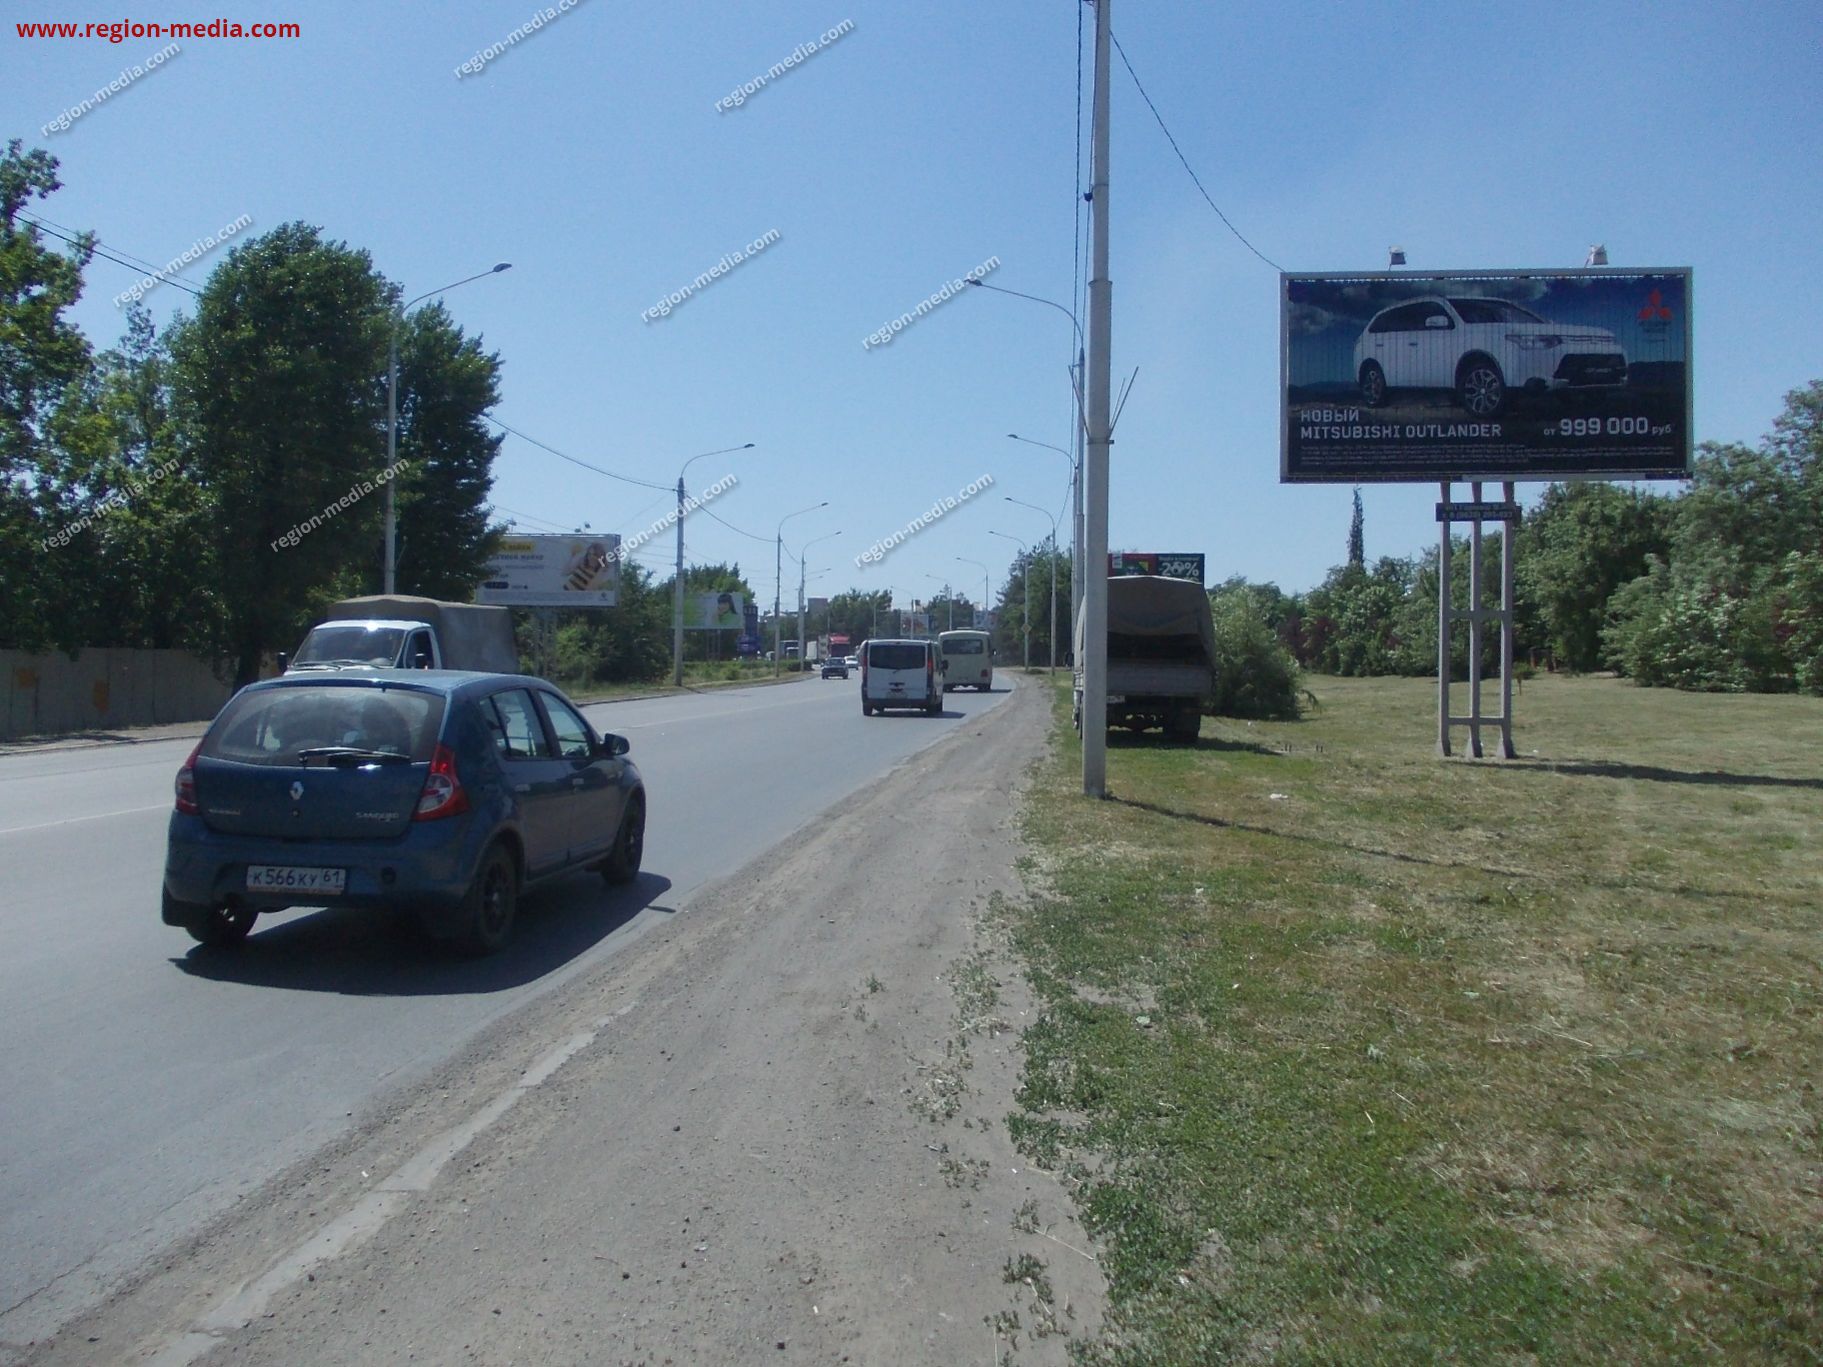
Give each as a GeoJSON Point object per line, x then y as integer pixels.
{"type": "Point", "coordinates": [395, 631]}
{"type": "Point", "coordinates": [1161, 655]}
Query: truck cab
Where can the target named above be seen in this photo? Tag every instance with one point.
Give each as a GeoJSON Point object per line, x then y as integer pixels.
{"type": "Point", "coordinates": [372, 643]}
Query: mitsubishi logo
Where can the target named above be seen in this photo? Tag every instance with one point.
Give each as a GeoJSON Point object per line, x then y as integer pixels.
{"type": "Point", "coordinates": [297, 789]}
{"type": "Point", "coordinates": [1655, 310]}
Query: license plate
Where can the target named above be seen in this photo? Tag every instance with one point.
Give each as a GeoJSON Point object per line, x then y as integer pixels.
{"type": "Point", "coordinates": [1117, 697]}
{"type": "Point", "coordinates": [279, 878]}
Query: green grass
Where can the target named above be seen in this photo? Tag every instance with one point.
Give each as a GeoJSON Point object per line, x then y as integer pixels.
{"type": "Point", "coordinates": [1442, 1059]}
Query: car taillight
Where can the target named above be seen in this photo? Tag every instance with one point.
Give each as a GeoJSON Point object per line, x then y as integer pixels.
{"type": "Point", "coordinates": [186, 785]}
{"type": "Point", "coordinates": [443, 793]}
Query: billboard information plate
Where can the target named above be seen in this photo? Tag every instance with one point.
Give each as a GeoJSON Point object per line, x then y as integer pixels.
{"type": "Point", "coordinates": [1485, 375]}
{"type": "Point", "coordinates": [1477, 512]}
{"type": "Point", "coordinates": [553, 572]}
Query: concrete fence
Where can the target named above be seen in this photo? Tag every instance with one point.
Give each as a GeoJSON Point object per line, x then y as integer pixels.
{"type": "Point", "coordinates": [103, 690]}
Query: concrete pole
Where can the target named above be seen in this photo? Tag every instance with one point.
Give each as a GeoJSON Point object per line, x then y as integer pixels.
{"type": "Point", "coordinates": [1094, 663]}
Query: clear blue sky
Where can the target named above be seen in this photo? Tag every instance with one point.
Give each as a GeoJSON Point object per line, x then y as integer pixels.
{"type": "Point", "coordinates": [923, 142]}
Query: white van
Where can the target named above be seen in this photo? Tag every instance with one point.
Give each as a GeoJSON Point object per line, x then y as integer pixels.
{"type": "Point", "coordinates": [900, 674]}
{"type": "Point", "coordinates": [968, 659]}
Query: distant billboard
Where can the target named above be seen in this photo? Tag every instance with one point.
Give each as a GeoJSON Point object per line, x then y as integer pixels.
{"type": "Point", "coordinates": [715, 611]}
{"type": "Point", "coordinates": [1170, 564]}
{"type": "Point", "coordinates": [553, 572]}
{"type": "Point", "coordinates": [1485, 375]}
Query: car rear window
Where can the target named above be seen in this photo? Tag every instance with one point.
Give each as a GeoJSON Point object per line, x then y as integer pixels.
{"type": "Point", "coordinates": [964, 647]}
{"type": "Point", "coordinates": [896, 655]}
{"type": "Point", "coordinates": [270, 725]}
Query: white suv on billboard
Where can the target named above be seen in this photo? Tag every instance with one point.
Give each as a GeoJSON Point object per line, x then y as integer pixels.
{"type": "Point", "coordinates": [1481, 350]}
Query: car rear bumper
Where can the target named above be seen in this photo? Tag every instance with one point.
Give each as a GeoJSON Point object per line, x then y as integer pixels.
{"type": "Point", "coordinates": [429, 868]}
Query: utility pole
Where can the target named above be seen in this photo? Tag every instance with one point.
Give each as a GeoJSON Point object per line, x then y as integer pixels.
{"type": "Point", "coordinates": [1094, 663]}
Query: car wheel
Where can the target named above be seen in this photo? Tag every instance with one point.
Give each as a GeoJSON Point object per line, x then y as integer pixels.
{"type": "Point", "coordinates": [220, 927]}
{"type": "Point", "coordinates": [491, 901]}
{"type": "Point", "coordinates": [1373, 385]}
{"type": "Point", "coordinates": [629, 843]}
{"type": "Point", "coordinates": [1480, 388]}
{"type": "Point", "coordinates": [934, 708]}
{"type": "Point", "coordinates": [867, 708]}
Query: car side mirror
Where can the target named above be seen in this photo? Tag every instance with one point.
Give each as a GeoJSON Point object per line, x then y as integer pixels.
{"type": "Point", "coordinates": [283, 659]}
{"type": "Point", "coordinates": [612, 746]}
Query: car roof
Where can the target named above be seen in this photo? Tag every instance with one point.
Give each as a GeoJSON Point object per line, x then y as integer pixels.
{"type": "Point", "coordinates": [451, 683]}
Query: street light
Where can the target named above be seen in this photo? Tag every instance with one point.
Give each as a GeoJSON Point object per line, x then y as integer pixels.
{"type": "Point", "coordinates": [677, 583]}
{"type": "Point", "coordinates": [392, 411]}
{"type": "Point", "coordinates": [1053, 559]}
{"type": "Point", "coordinates": [1076, 570]}
{"type": "Point", "coordinates": [949, 597]}
{"type": "Point", "coordinates": [1027, 614]}
{"type": "Point", "coordinates": [984, 589]}
{"type": "Point", "coordinates": [803, 651]}
{"type": "Point", "coordinates": [778, 584]}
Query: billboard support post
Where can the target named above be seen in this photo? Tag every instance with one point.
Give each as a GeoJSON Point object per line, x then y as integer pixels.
{"type": "Point", "coordinates": [1508, 555]}
{"type": "Point", "coordinates": [1477, 615]}
{"type": "Point", "coordinates": [1443, 627]}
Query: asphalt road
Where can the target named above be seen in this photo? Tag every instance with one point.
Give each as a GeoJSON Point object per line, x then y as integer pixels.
{"type": "Point", "coordinates": [148, 1084]}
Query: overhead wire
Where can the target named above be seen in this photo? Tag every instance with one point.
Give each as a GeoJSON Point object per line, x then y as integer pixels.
{"type": "Point", "coordinates": [1186, 163]}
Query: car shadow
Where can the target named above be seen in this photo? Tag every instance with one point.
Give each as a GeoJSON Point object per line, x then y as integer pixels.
{"type": "Point", "coordinates": [381, 954]}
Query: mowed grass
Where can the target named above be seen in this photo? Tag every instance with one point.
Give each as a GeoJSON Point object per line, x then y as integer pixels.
{"type": "Point", "coordinates": [1442, 1059]}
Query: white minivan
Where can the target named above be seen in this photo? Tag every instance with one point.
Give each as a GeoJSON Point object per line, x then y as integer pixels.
{"type": "Point", "coordinates": [901, 674]}
{"type": "Point", "coordinates": [967, 658]}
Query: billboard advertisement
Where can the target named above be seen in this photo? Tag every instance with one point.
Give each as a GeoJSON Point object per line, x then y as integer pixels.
{"type": "Point", "coordinates": [1490, 375]}
{"type": "Point", "coordinates": [581, 571]}
{"type": "Point", "coordinates": [715, 611]}
{"type": "Point", "coordinates": [1170, 564]}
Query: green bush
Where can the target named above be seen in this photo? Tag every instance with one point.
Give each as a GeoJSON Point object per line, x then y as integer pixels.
{"type": "Point", "coordinates": [1256, 677]}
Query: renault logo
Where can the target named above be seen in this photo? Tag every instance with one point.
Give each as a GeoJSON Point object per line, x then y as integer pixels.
{"type": "Point", "coordinates": [297, 790]}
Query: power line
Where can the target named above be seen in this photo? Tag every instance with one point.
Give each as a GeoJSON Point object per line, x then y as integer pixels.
{"type": "Point", "coordinates": [731, 527]}
{"type": "Point", "coordinates": [95, 248]}
{"type": "Point", "coordinates": [1180, 156]}
{"type": "Point", "coordinates": [543, 446]}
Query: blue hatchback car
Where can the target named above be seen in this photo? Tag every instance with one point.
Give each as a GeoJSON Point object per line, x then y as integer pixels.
{"type": "Point", "coordinates": [439, 792]}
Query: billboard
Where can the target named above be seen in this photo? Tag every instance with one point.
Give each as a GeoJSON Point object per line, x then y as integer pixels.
{"type": "Point", "coordinates": [715, 611]}
{"type": "Point", "coordinates": [1170, 564]}
{"type": "Point", "coordinates": [581, 571]}
{"type": "Point", "coordinates": [1491, 375]}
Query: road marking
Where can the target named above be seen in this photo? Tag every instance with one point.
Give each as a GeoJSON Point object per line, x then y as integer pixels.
{"type": "Point", "coordinates": [361, 1221]}
{"type": "Point", "coordinates": [98, 816]}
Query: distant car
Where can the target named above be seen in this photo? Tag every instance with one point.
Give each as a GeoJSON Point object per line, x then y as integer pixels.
{"type": "Point", "coordinates": [443, 793]}
{"type": "Point", "coordinates": [1481, 350]}
{"type": "Point", "coordinates": [835, 667]}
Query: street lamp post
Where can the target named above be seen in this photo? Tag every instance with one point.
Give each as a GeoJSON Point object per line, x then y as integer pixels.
{"type": "Point", "coordinates": [677, 583]}
{"type": "Point", "coordinates": [949, 597]}
{"type": "Point", "coordinates": [1027, 613]}
{"type": "Point", "coordinates": [1053, 559]}
{"type": "Point", "coordinates": [1076, 571]}
{"type": "Point", "coordinates": [392, 414]}
{"type": "Point", "coordinates": [778, 584]}
{"type": "Point", "coordinates": [984, 588]}
{"type": "Point", "coordinates": [803, 650]}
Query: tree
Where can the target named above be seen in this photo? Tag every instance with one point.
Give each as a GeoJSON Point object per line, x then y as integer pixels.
{"type": "Point", "coordinates": [43, 359]}
{"type": "Point", "coordinates": [278, 394]}
{"type": "Point", "coordinates": [446, 385]}
{"type": "Point", "coordinates": [1357, 533]}
{"type": "Point", "coordinates": [1584, 542]}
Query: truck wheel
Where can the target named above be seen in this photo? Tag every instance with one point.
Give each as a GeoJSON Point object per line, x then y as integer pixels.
{"type": "Point", "coordinates": [487, 910]}
{"type": "Point", "coordinates": [221, 927]}
{"type": "Point", "coordinates": [1185, 725]}
{"type": "Point", "coordinates": [629, 843]}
